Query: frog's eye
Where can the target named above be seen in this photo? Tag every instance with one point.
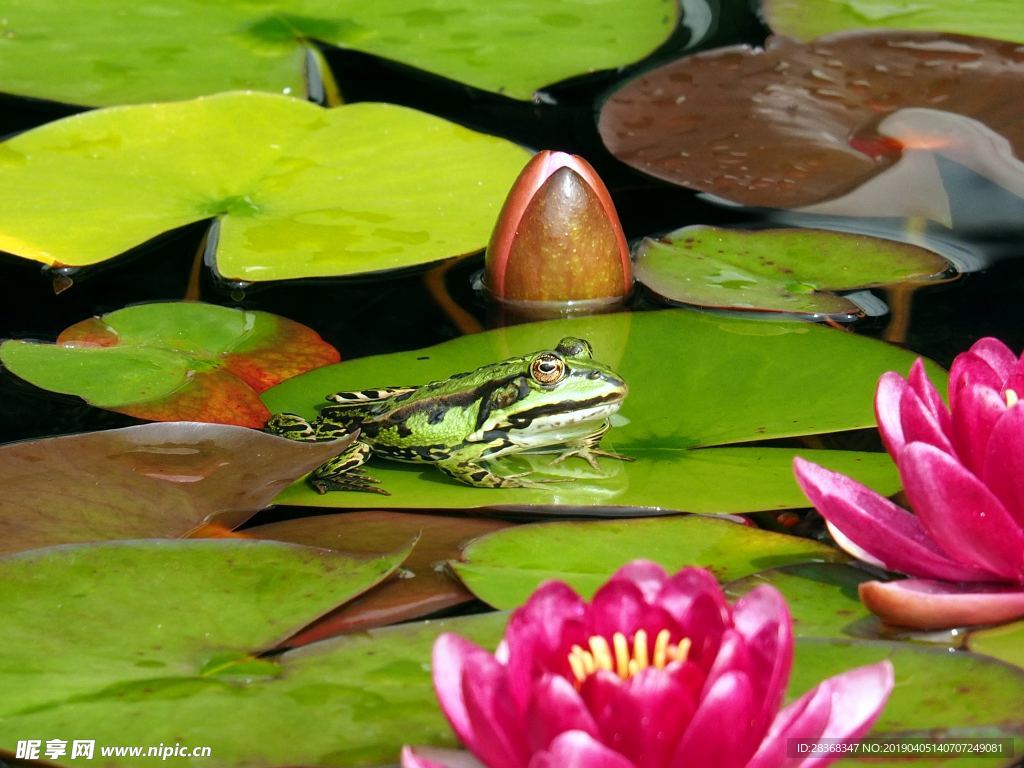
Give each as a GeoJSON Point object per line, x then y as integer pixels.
{"type": "Point", "coordinates": [547, 369]}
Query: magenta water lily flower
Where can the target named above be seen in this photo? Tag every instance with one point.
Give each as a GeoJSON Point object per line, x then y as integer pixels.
{"type": "Point", "coordinates": [654, 672]}
{"type": "Point", "coordinates": [558, 237]}
{"type": "Point", "coordinates": [963, 474]}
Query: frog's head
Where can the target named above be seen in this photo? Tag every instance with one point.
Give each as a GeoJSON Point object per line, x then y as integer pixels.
{"type": "Point", "coordinates": [557, 388]}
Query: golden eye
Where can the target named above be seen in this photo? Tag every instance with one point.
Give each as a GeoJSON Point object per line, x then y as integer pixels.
{"type": "Point", "coordinates": [547, 369]}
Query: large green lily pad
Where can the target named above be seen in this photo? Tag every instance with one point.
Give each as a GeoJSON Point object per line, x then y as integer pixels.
{"type": "Point", "coordinates": [157, 641]}
{"type": "Point", "coordinates": [807, 19]}
{"type": "Point", "coordinates": [173, 361]}
{"type": "Point", "coordinates": [695, 381]}
{"type": "Point", "coordinates": [104, 52]}
{"type": "Point", "coordinates": [1005, 642]}
{"type": "Point", "coordinates": [503, 568]}
{"type": "Point", "coordinates": [298, 190]}
{"type": "Point", "coordinates": [776, 270]}
{"type": "Point", "coordinates": [153, 480]}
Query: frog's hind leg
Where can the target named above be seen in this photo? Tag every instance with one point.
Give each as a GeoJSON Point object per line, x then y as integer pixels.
{"type": "Point", "coordinates": [589, 448]}
{"type": "Point", "coordinates": [292, 426]}
{"type": "Point", "coordinates": [344, 473]}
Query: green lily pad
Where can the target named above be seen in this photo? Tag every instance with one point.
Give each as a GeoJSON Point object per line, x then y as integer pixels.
{"type": "Point", "coordinates": [153, 480]}
{"type": "Point", "coordinates": [695, 381]}
{"type": "Point", "coordinates": [109, 53]}
{"type": "Point", "coordinates": [173, 361]}
{"type": "Point", "coordinates": [807, 19]}
{"type": "Point", "coordinates": [298, 190]}
{"type": "Point", "coordinates": [423, 589]}
{"type": "Point", "coordinates": [776, 270]}
{"type": "Point", "coordinates": [1005, 642]}
{"type": "Point", "coordinates": [158, 641]}
{"type": "Point", "coordinates": [503, 568]}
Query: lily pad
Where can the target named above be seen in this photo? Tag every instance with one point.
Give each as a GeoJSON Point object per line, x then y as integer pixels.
{"type": "Point", "coordinates": [503, 568]}
{"type": "Point", "coordinates": [423, 588]}
{"type": "Point", "coordinates": [1005, 642]}
{"type": "Point", "coordinates": [153, 480]}
{"type": "Point", "coordinates": [159, 641]}
{"type": "Point", "coordinates": [695, 381]}
{"type": "Point", "coordinates": [797, 124]}
{"type": "Point", "coordinates": [807, 19]}
{"type": "Point", "coordinates": [776, 270]}
{"type": "Point", "coordinates": [297, 190]}
{"type": "Point", "coordinates": [173, 361]}
{"type": "Point", "coordinates": [103, 52]}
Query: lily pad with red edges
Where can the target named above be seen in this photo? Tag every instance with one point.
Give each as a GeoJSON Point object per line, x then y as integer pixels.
{"type": "Point", "coordinates": [173, 361]}
{"type": "Point", "coordinates": [776, 270]}
{"type": "Point", "coordinates": [422, 588]}
{"type": "Point", "coordinates": [149, 481]}
{"type": "Point", "coordinates": [797, 124]}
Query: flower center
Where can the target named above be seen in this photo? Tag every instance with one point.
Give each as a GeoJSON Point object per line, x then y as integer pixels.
{"type": "Point", "coordinates": [624, 660]}
{"type": "Point", "coordinates": [1011, 398]}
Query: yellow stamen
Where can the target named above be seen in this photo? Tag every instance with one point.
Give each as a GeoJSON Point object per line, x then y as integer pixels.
{"type": "Point", "coordinates": [1011, 398]}
{"type": "Point", "coordinates": [623, 658]}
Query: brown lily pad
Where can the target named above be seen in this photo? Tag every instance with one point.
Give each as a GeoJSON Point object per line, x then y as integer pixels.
{"type": "Point", "coordinates": [796, 124]}
{"type": "Point", "coordinates": [149, 481]}
{"type": "Point", "coordinates": [422, 588]}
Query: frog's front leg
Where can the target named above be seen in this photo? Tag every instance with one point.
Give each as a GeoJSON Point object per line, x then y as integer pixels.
{"type": "Point", "coordinates": [589, 448]}
{"type": "Point", "coordinates": [343, 472]}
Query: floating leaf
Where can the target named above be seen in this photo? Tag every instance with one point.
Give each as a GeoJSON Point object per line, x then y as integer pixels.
{"type": "Point", "coordinates": [299, 191]}
{"type": "Point", "coordinates": [776, 270]}
{"type": "Point", "coordinates": [795, 124]}
{"type": "Point", "coordinates": [1005, 642]}
{"type": "Point", "coordinates": [807, 19]}
{"type": "Point", "coordinates": [503, 568]}
{"type": "Point", "coordinates": [424, 587]}
{"type": "Point", "coordinates": [173, 361]}
{"type": "Point", "coordinates": [158, 642]}
{"type": "Point", "coordinates": [172, 49]}
{"type": "Point", "coordinates": [695, 381]}
{"type": "Point", "coordinates": [154, 480]}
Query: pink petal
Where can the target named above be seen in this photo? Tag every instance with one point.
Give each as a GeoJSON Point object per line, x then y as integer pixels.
{"type": "Point", "coordinates": [890, 534]}
{"type": "Point", "coordinates": [969, 370]}
{"type": "Point", "coordinates": [555, 707]}
{"type": "Point", "coordinates": [926, 604]}
{"type": "Point", "coordinates": [619, 606]}
{"type": "Point", "coordinates": [497, 730]}
{"type": "Point", "coordinates": [841, 707]}
{"type": "Point", "coordinates": [719, 733]}
{"type": "Point", "coordinates": [698, 610]}
{"type": "Point", "coordinates": [1003, 470]}
{"type": "Point", "coordinates": [648, 576]}
{"type": "Point", "coordinates": [920, 424]}
{"type": "Point", "coordinates": [997, 355]}
{"type": "Point", "coordinates": [447, 663]}
{"type": "Point", "coordinates": [576, 749]}
{"type": "Point", "coordinates": [888, 395]}
{"type": "Point", "coordinates": [429, 757]}
{"type": "Point", "coordinates": [960, 513]}
{"type": "Point", "coordinates": [977, 410]}
{"type": "Point", "coordinates": [928, 394]}
{"type": "Point", "coordinates": [762, 617]}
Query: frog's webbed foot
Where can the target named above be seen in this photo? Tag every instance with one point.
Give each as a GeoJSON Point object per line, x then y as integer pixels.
{"type": "Point", "coordinates": [589, 454]}
{"type": "Point", "coordinates": [353, 480]}
{"type": "Point", "coordinates": [480, 476]}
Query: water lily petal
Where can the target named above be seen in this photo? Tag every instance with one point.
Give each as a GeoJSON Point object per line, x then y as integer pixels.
{"type": "Point", "coordinates": [920, 424]}
{"type": "Point", "coordinates": [575, 749]}
{"type": "Point", "coordinates": [430, 757]}
{"type": "Point", "coordinates": [555, 707]}
{"type": "Point", "coordinates": [728, 704]}
{"type": "Point", "coordinates": [447, 661]}
{"type": "Point", "coordinates": [977, 411]}
{"type": "Point", "coordinates": [1003, 467]}
{"type": "Point", "coordinates": [648, 576]}
{"type": "Point", "coordinates": [841, 707]}
{"type": "Point", "coordinates": [890, 534]}
{"type": "Point", "coordinates": [698, 610]}
{"type": "Point", "coordinates": [619, 606]}
{"type": "Point", "coordinates": [888, 395]}
{"type": "Point", "coordinates": [928, 394]}
{"type": "Point", "coordinates": [960, 513]}
{"type": "Point", "coordinates": [928, 604]}
{"type": "Point", "coordinates": [970, 370]}
{"type": "Point", "coordinates": [762, 618]}
{"type": "Point", "coordinates": [497, 734]}
{"type": "Point", "coordinates": [998, 356]}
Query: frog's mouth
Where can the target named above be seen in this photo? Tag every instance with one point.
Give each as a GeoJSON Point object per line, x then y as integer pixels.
{"type": "Point", "coordinates": [556, 421]}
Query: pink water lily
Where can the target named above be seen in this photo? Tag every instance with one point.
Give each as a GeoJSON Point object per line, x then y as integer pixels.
{"type": "Point", "coordinates": [654, 672]}
{"type": "Point", "coordinates": [963, 474]}
{"type": "Point", "coordinates": [558, 237]}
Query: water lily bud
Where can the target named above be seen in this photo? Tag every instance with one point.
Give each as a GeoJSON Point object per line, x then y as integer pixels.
{"type": "Point", "coordinates": [558, 237]}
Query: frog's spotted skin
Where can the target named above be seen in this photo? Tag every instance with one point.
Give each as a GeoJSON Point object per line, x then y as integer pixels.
{"type": "Point", "coordinates": [548, 400]}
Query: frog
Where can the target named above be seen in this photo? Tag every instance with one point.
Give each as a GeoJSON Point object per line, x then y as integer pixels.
{"type": "Point", "coordinates": [556, 400]}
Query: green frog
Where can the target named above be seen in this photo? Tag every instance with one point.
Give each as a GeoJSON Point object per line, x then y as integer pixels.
{"type": "Point", "coordinates": [552, 400]}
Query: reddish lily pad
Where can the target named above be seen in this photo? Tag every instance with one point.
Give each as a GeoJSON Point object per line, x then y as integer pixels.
{"type": "Point", "coordinates": [793, 125]}
{"type": "Point", "coordinates": [421, 589]}
{"type": "Point", "coordinates": [776, 270]}
{"type": "Point", "coordinates": [153, 480]}
{"type": "Point", "coordinates": [173, 361]}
